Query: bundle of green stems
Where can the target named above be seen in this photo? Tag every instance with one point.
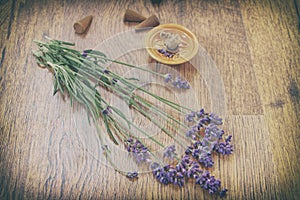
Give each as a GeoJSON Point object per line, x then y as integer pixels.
{"type": "Point", "coordinates": [82, 76]}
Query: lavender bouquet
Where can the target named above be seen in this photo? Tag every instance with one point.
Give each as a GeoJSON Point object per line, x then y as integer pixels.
{"type": "Point", "coordinates": [83, 76]}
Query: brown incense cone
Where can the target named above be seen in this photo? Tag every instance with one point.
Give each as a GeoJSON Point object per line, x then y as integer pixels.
{"type": "Point", "coordinates": [132, 16]}
{"type": "Point", "coordinates": [151, 21]}
{"type": "Point", "coordinates": [82, 25]}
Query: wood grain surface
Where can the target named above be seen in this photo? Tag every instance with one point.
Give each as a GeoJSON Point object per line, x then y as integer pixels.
{"type": "Point", "coordinates": [45, 145]}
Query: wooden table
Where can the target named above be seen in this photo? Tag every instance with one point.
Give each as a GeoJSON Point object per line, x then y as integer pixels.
{"type": "Point", "coordinates": [255, 48]}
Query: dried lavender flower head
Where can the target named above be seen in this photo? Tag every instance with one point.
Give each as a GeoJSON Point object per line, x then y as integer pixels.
{"type": "Point", "coordinates": [170, 152]}
{"type": "Point", "coordinates": [138, 150]}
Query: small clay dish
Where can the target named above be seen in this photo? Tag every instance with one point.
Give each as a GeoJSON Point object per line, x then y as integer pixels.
{"type": "Point", "coordinates": [157, 48]}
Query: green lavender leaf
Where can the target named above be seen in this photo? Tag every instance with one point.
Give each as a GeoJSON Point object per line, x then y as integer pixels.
{"type": "Point", "coordinates": [109, 130]}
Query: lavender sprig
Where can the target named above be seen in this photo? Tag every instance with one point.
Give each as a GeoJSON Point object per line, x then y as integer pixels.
{"type": "Point", "coordinates": [79, 74]}
{"type": "Point", "coordinates": [139, 151]}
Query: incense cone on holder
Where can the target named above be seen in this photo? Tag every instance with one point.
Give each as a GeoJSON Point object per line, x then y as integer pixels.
{"type": "Point", "coordinates": [151, 21]}
{"type": "Point", "coordinates": [132, 16]}
{"type": "Point", "coordinates": [82, 25]}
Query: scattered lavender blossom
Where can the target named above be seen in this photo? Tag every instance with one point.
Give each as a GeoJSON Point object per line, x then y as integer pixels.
{"type": "Point", "coordinates": [207, 138]}
{"type": "Point", "coordinates": [138, 150]}
{"type": "Point", "coordinates": [178, 82]}
{"type": "Point", "coordinates": [215, 119]}
{"type": "Point", "coordinates": [166, 53]}
{"type": "Point", "coordinates": [170, 152]}
{"type": "Point", "coordinates": [208, 182]}
{"type": "Point", "coordinates": [84, 53]}
{"type": "Point", "coordinates": [106, 71]}
{"type": "Point", "coordinates": [106, 111]}
{"type": "Point", "coordinates": [206, 160]}
{"type": "Point", "coordinates": [132, 175]}
{"type": "Point", "coordinates": [224, 148]}
{"type": "Point", "coordinates": [168, 77]}
{"type": "Point", "coordinates": [223, 193]}
{"type": "Point", "coordinates": [190, 117]}
{"type": "Point", "coordinates": [169, 175]}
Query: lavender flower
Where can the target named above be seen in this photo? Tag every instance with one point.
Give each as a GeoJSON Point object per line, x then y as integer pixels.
{"type": "Point", "coordinates": [169, 175]}
{"type": "Point", "coordinates": [223, 193]}
{"type": "Point", "coordinates": [180, 83]}
{"type": "Point", "coordinates": [191, 132]}
{"type": "Point", "coordinates": [206, 160]}
{"type": "Point", "coordinates": [215, 119]}
{"type": "Point", "coordinates": [170, 152]}
{"type": "Point", "coordinates": [106, 71]}
{"type": "Point", "coordinates": [168, 77]}
{"type": "Point", "coordinates": [213, 133]}
{"type": "Point", "coordinates": [132, 175]}
{"type": "Point", "coordinates": [224, 148]}
{"type": "Point", "coordinates": [84, 53]}
{"type": "Point", "coordinates": [106, 111]}
{"type": "Point", "coordinates": [193, 170]}
{"type": "Point", "coordinates": [138, 150]}
{"type": "Point", "coordinates": [203, 121]}
{"type": "Point", "coordinates": [184, 85]}
{"type": "Point", "coordinates": [166, 53]}
{"type": "Point", "coordinates": [87, 73]}
{"type": "Point", "coordinates": [177, 82]}
{"type": "Point", "coordinates": [200, 113]}
{"type": "Point", "coordinates": [154, 166]}
{"type": "Point", "coordinates": [189, 167]}
{"type": "Point", "coordinates": [190, 117]}
{"type": "Point", "coordinates": [208, 182]}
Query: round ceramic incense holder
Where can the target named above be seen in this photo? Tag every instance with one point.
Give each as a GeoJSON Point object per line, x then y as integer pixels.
{"type": "Point", "coordinates": [171, 44]}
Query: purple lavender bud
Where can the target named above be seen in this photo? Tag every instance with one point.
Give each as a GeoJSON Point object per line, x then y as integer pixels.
{"type": "Point", "coordinates": [105, 147]}
{"type": "Point", "coordinates": [200, 113]}
{"type": "Point", "coordinates": [168, 77]}
{"type": "Point", "coordinates": [228, 139]}
{"type": "Point", "coordinates": [170, 152]}
{"type": "Point", "coordinates": [190, 117]}
{"type": "Point", "coordinates": [208, 182]}
{"type": "Point", "coordinates": [224, 148]}
{"type": "Point", "coordinates": [204, 121]}
{"type": "Point", "coordinates": [190, 133]}
{"type": "Point", "coordinates": [212, 132]}
{"type": "Point", "coordinates": [132, 175]}
{"type": "Point", "coordinates": [184, 85]}
{"type": "Point", "coordinates": [139, 152]}
{"type": "Point", "coordinates": [180, 183]}
{"type": "Point", "coordinates": [196, 153]}
{"type": "Point", "coordinates": [114, 81]}
{"type": "Point", "coordinates": [84, 53]}
{"type": "Point", "coordinates": [104, 111]}
{"type": "Point", "coordinates": [223, 192]}
{"type": "Point", "coordinates": [215, 119]}
{"type": "Point", "coordinates": [186, 160]}
{"type": "Point", "coordinates": [176, 81]}
{"type": "Point", "coordinates": [188, 151]}
{"type": "Point", "coordinates": [206, 160]}
{"type": "Point", "coordinates": [162, 51]}
{"type": "Point", "coordinates": [106, 71]}
{"type": "Point", "coordinates": [221, 133]}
